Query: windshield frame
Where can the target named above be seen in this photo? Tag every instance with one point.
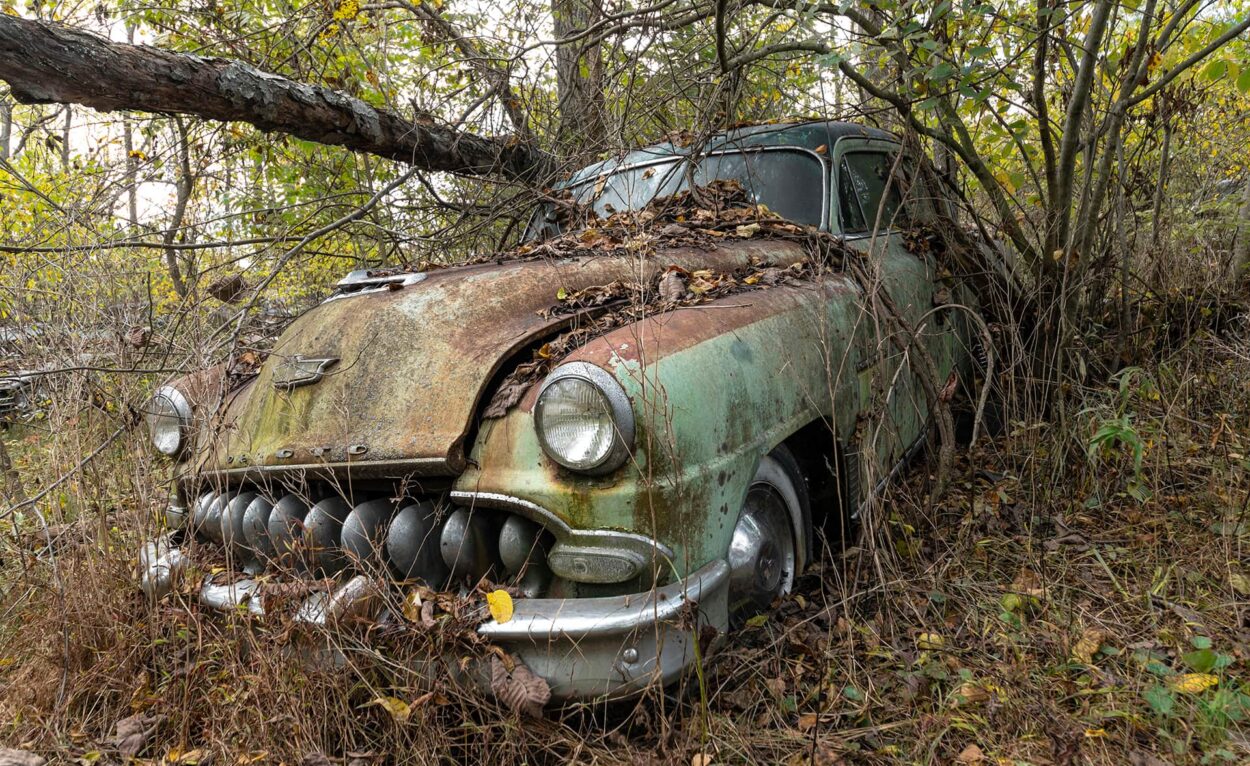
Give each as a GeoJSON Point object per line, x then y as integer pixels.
{"type": "Point", "coordinates": [680, 159]}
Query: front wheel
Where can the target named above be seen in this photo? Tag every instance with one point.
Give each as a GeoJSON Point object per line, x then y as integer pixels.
{"type": "Point", "coordinates": [766, 550]}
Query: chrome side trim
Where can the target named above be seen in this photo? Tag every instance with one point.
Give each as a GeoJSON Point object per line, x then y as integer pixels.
{"type": "Point", "coordinates": [613, 616]}
{"type": "Point", "coordinates": [653, 551]}
{"type": "Point", "coordinates": [360, 283]}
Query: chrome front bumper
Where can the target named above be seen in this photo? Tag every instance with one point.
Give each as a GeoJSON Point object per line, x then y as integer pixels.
{"type": "Point", "coordinates": [585, 648]}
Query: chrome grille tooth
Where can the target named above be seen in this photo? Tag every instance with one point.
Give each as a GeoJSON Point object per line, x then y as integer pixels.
{"type": "Point", "coordinates": [211, 528]}
{"type": "Point", "coordinates": [323, 529]}
{"type": "Point", "coordinates": [199, 511]}
{"type": "Point", "coordinates": [469, 544]}
{"type": "Point", "coordinates": [412, 544]}
{"type": "Point", "coordinates": [286, 531]}
{"type": "Point", "coordinates": [364, 532]}
{"type": "Point", "coordinates": [256, 528]}
{"type": "Point", "coordinates": [232, 523]}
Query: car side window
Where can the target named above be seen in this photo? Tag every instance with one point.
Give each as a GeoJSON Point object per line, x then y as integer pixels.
{"type": "Point", "coordinates": [863, 180]}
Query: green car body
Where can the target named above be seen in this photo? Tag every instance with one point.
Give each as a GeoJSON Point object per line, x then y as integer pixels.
{"type": "Point", "coordinates": [387, 382]}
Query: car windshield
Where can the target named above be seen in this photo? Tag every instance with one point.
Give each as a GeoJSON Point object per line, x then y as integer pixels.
{"type": "Point", "coordinates": [790, 182]}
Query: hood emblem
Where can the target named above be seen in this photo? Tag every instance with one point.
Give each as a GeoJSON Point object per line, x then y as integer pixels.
{"type": "Point", "coordinates": [295, 371]}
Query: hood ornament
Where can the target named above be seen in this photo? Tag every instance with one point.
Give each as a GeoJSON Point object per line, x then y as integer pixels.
{"type": "Point", "coordinates": [295, 371]}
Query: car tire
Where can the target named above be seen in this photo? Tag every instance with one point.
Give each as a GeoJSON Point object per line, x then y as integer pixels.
{"type": "Point", "coordinates": [768, 548]}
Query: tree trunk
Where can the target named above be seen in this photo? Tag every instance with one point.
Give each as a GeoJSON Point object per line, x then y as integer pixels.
{"type": "Point", "coordinates": [6, 127]}
{"type": "Point", "coordinates": [579, 79]}
{"type": "Point", "coordinates": [185, 184]}
{"type": "Point", "coordinates": [1241, 245]}
{"type": "Point", "coordinates": [51, 63]}
{"type": "Point", "coordinates": [69, 123]}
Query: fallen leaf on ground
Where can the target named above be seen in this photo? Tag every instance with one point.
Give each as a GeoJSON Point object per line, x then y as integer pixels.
{"type": "Point", "coordinates": [930, 641]}
{"type": "Point", "coordinates": [970, 693]}
{"type": "Point", "coordinates": [1090, 642]}
{"type": "Point", "coordinates": [19, 758]}
{"type": "Point", "coordinates": [398, 709]}
{"type": "Point", "coordinates": [701, 759]}
{"type": "Point", "coordinates": [130, 734]}
{"type": "Point", "coordinates": [1192, 683]}
{"type": "Point", "coordinates": [1240, 583]}
{"type": "Point", "coordinates": [970, 754]}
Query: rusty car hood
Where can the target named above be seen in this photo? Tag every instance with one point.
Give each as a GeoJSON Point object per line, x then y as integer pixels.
{"type": "Point", "coordinates": [413, 364]}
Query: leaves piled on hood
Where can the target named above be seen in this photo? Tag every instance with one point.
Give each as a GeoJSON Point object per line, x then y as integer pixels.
{"type": "Point", "coordinates": [624, 302]}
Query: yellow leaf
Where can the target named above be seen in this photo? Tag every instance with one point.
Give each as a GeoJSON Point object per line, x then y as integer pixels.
{"type": "Point", "coordinates": [1240, 583]}
{"type": "Point", "coordinates": [930, 641]}
{"type": "Point", "coordinates": [1095, 733]}
{"type": "Point", "coordinates": [398, 709]}
{"type": "Point", "coordinates": [1091, 641]}
{"type": "Point", "coordinates": [1192, 683]}
{"type": "Point", "coordinates": [184, 758]}
{"type": "Point", "coordinates": [500, 604]}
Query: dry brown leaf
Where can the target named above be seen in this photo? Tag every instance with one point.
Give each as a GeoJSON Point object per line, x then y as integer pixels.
{"type": "Point", "coordinates": [1027, 583]}
{"type": "Point", "coordinates": [807, 721]}
{"type": "Point", "coordinates": [519, 688]}
{"type": "Point", "coordinates": [131, 734]}
{"type": "Point", "coordinates": [701, 759]}
{"type": "Point", "coordinates": [969, 693]}
{"type": "Point", "coordinates": [970, 754]}
{"type": "Point", "coordinates": [672, 286]}
{"type": "Point", "coordinates": [19, 758]}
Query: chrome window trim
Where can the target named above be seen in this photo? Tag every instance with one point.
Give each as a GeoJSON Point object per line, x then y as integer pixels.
{"type": "Point", "coordinates": [851, 145]}
{"type": "Point", "coordinates": [824, 164]}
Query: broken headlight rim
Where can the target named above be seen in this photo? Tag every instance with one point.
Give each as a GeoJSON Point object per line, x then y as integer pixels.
{"type": "Point", "coordinates": [584, 419]}
{"type": "Point", "coordinates": [168, 415]}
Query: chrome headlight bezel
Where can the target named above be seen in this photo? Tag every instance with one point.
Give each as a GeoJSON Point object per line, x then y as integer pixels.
{"type": "Point", "coordinates": [180, 407]}
{"type": "Point", "coordinates": [619, 410]}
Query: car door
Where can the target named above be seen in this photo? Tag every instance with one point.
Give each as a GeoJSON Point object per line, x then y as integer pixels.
{"type": "Point", "coordinates": [871, 210]}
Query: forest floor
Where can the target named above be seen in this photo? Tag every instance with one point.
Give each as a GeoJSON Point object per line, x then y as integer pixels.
{"type": "Point", "coordinates": [1080, 595]}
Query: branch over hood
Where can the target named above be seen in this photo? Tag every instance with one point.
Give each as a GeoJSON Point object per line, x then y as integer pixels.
{"type": "Point", "coordinates": [52, 63]}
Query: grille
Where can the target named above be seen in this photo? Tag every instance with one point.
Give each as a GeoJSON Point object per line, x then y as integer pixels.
{"type": "Point", "coordinates": [321, 531]}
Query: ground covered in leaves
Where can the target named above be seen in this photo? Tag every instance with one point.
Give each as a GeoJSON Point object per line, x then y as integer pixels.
{"type": "Point", "coordinates": [1079, 595]}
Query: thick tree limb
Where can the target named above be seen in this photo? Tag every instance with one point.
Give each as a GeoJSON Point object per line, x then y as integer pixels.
{"type": "Point", "coordinates": [51, 63]}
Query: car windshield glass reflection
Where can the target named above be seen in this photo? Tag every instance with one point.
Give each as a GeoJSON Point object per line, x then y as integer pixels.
{"type": "Point", "coordinates": [788, 182]}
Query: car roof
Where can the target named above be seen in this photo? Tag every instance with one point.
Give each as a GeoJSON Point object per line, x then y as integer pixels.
{"type": "Point", "coordinates": [808, 135]}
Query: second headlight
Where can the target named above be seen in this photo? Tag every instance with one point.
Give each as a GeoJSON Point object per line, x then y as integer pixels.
{"type": "Point", "coordinates": [169, 420]}
{"type": "Point", "coordinates": [584, 419]}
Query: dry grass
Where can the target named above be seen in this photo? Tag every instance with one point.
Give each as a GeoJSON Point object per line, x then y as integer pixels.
{"type": "Point", "coordinates": [1041, 614]}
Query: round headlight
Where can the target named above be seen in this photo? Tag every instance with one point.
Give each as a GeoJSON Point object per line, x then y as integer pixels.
{"type": "Point", "coordinates": [584, 419]}
{"type": "Point", "coordinates": [169, 418]}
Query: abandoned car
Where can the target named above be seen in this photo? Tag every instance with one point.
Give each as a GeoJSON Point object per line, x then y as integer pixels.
{"type": "Point", "coordinates": [636, 423]}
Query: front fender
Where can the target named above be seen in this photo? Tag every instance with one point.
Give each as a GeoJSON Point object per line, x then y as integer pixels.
{"type": "Point", "coordinates": [713, 387]}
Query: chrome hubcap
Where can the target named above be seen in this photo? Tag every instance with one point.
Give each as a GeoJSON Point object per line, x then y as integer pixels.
{"type": "Point", "coordinates": [761, 553]}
